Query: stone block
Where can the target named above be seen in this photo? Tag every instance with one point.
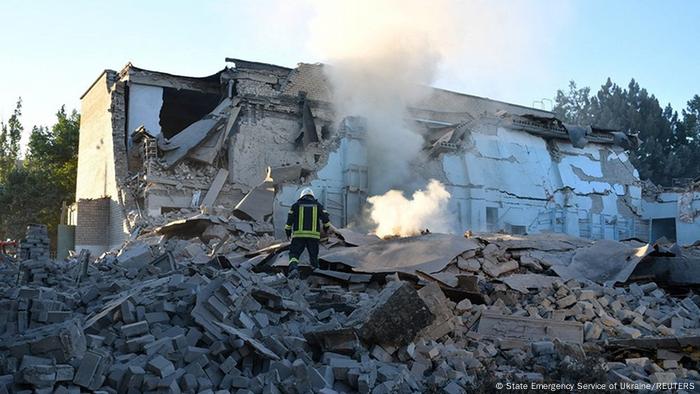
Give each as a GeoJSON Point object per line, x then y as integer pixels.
{"type": "Point", "coordinates": [495, 269]}
{"type": "Point", "coordinates": [136, 255]}
{"type": "Point", "coordinates": [160, 366]}
{"type": "Point", "coordinates": [628, 332]}
{"type": "Point", "coordinates": [471, 265]}
{"type": "Point", "coordinates": [134, 329]}
{"type": "Point", "coordinates": [541, 348]}
{"type": "Point", "coordinates": [463, 306]}
{"type": "Point", "coordinates": [128, 312]}
{"type": "Point", "coordinates": [670, 364]}
{"type": "Point", "coordinates": [394, 318]}
{"type": "Point", "coordinates": [93, 366]}
{"type": "Point", "coordinates": [663, 377]}
{"type": "Point", "coordinates": [592, 331]}
{"type": "Point", "coordinates": [566, 301]}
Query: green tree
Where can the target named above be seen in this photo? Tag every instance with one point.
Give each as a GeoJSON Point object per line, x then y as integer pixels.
{"type": "Point", "coordinates": [667, 141]}
{"type": "Point", "coordinates": [35, 191]}
{"type": "Point", "coordinates": [56, 151]}
{"type": "Point", "coordinates": [25, 198]}
{"type": "Point", "coordinates": [687, 137]}
{"type": "Point", "coordinates": [575, 105]}
{"type": "Point", "coordinates": [10, 136]}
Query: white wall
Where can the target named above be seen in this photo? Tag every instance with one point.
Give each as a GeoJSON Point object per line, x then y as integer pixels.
{"type": "Point", "coordinates": [512, 171]}
{"type": "Point", "coordinates": [145, 102]}
{"type": "Point", "coordinates": [516, 172]}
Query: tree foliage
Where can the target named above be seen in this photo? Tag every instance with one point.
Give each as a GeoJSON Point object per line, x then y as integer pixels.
{"type": "Point", "coordinates": [669, 143]}
{"type": "Point", "coordinates": [10, 136]}
{"type": "Point", "coordinates": [35, 191]}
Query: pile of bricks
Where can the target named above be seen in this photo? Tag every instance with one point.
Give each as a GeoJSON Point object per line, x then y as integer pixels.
{"type": "Point", "coordinates": [162, 315]}
{"type": "Point", "coordinates": [35, 245]}
{"type": "Point", "coordinates": [607, 313]}
{"type": "Point", "coordinates": [35, 264]}
{"type": "Point", "coordinates": [189, 332]}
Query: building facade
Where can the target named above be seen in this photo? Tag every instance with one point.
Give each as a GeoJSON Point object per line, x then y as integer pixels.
{"type": "Point", "coordinates": [152, 143]}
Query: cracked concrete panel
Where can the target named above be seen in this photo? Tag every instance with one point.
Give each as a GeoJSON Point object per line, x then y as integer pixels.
{"type": "Point", "coordinates": [426, 253]}
{"type": "Point", "coordinates": [592, 172]}
{"type": "Point", "coordinates": [511, 162]}
{"type": "Point", "coordinates": [350, 152]}
{"type": "Point", "coordinates": [612, 170]}
{"type": "Point", "coordinates": [455, 169]}
{"type": "Point", "coordinates": [592, 150]}
{"type": "Point", "coordinates": [584, 173]}
{"type": "Point", "coordinates": [610, 204]}
{"type": "Point", "coordinates": [624, 208]}
{"type": "Point", "coordinates": [262, 143]}
{"type": "Point", "coordinates": [617, 166]}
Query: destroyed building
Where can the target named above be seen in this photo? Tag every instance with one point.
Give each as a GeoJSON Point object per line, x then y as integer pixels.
{"type": "Point", "coordinates": [152, 143]}
{"type": "Point", "coordinates": [186, 178]}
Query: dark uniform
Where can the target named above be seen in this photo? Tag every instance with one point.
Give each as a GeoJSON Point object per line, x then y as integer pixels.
{"type": "Point", "coordinates": [304, 222]}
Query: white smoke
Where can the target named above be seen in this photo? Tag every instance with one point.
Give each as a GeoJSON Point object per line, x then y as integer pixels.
{"type": "Point", "coordinates": [382, 54]}
{"type": "Point", "coordinates": [394, 214]}
{"type": "Point", "coordinates": [377, 71]}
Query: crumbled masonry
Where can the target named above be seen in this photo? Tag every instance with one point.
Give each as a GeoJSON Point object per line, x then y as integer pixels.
{"type": "Point", "coordinates": [171, 313]}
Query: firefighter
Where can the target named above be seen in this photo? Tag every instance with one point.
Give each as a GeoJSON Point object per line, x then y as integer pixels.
{"type": "Point", "coordinates": [304, 222]}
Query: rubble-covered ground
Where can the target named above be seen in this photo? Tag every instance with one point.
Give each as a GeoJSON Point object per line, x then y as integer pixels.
{"type": "Point", "coordinates": [203, 306]}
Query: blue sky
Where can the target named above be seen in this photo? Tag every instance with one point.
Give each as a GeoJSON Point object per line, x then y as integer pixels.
{"type": "Point", "coordinates": [52, 51]}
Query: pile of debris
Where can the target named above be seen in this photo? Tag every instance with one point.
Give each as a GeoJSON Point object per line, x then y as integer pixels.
{"type": "Point", "coordinates": [202, 305]}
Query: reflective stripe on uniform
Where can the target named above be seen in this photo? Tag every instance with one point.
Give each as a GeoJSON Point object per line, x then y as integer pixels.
{"type": "Point", "coordinates": [314, 218]}
{"type": "Point", "coordinates": [306, 234]}
{"type": "Point", "coordinates": [300, 225]}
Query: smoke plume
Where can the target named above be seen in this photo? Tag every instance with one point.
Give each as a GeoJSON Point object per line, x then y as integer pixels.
{"type": "Point", "coordinates": [394, 214]}
{"type": "Point", "coordinates": [381, 53]}
{"type": "Point", "coordinates": [378, 70]}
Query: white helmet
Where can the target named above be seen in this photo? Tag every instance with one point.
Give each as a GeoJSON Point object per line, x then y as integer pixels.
{"type": "Point", "coordinates": [307, 192]}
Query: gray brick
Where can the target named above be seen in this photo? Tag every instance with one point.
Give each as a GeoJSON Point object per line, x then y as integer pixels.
{"type": "Point", "coordinates": [160, 366]}
{"type": "Point", "coordinates": [135, 329]}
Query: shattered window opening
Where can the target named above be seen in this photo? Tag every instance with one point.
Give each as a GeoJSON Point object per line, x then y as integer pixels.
{"type": "Point", "coordinates": [183, 107]}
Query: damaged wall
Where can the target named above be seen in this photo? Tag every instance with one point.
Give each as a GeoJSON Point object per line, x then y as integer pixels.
{"type": "Point", "coordinates": [166, 110]}
{"type": "Point", "coordinates": [341, 185]}
{"type": "Point", "coordinates": [678, 210]}
{"type": "Point", "coordinates": [101, 160]}
{"type": "Point", "coordinates": [501, 176]}
{"type": "Point", "coordinates": [532, 186]}
{"type": "Point", "coordinates": [145, 103]}
{"type": "Point", "coordinates": [265, 138]}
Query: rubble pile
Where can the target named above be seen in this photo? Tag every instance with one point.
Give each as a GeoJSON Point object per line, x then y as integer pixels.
{"type": "Point", "coordinates": [35, 245]}
{"type": "Point", "coordinates": [202, 305]}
